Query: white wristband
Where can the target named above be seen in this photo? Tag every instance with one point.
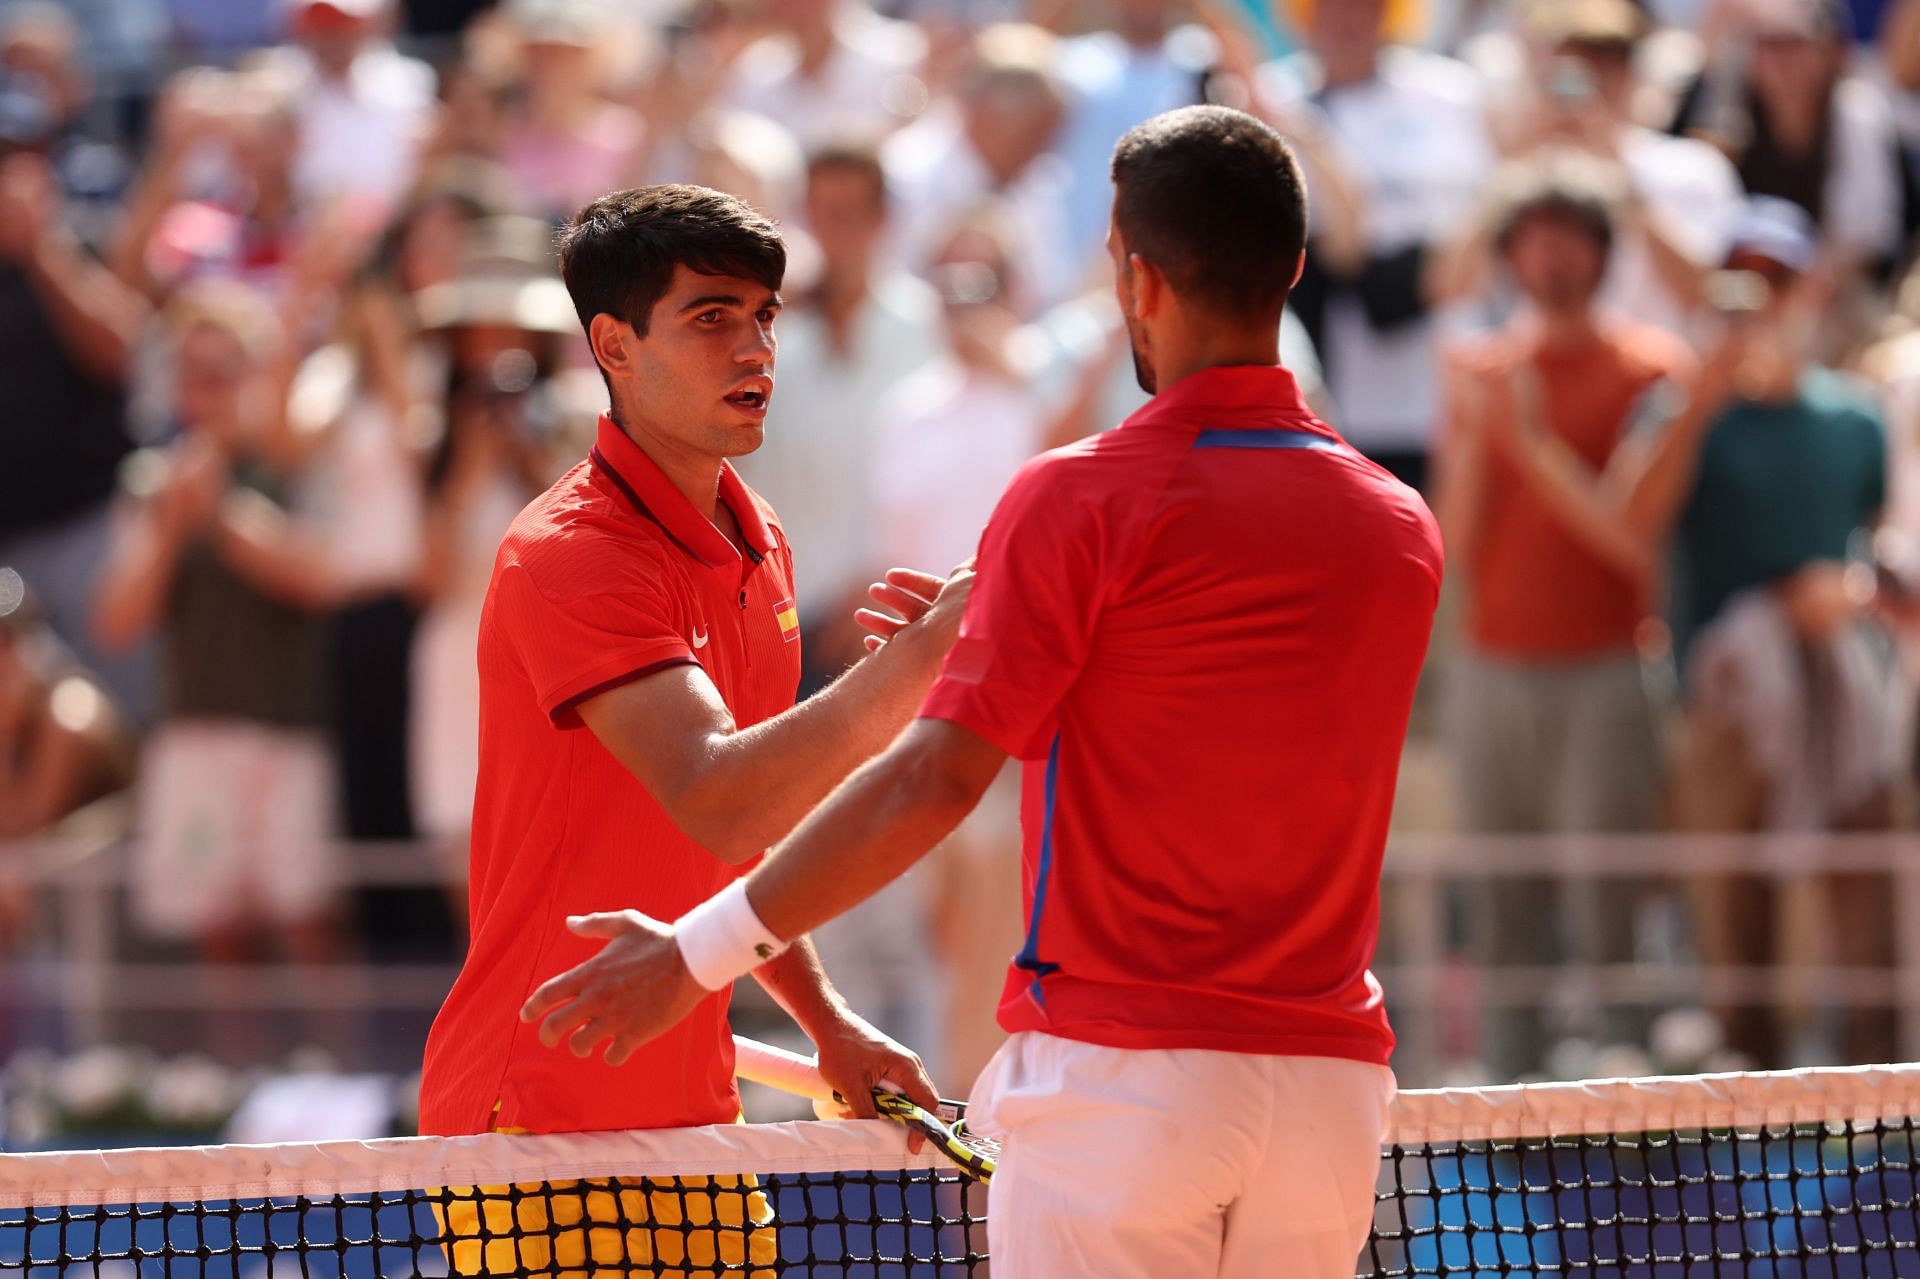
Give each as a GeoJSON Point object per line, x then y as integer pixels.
{"type": "Point", "coordinates": [722, 939]}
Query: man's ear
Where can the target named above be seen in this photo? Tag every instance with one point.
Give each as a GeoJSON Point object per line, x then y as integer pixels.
{"type": "Point", "coordinates": [612, 340]}
{"type": "Point", "coordinates": [1299, 269]}
{"type": "Point", "coordinates": [1149, 286]}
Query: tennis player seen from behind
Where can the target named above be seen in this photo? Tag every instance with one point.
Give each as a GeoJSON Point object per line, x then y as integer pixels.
{"type": "Point", "coordinates": [1201, 631]}
{"type": "Point", "coordinates": [639, 740]}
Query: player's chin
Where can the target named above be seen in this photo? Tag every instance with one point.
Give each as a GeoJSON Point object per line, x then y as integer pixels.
{"type": "Point", "coordinates": [739, 437]}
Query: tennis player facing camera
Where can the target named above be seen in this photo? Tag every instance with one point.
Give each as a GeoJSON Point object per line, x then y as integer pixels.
{"type": "Point", "coordinates": [1201, 631]}
{"type": "Point", "coordinates": [639, 741]}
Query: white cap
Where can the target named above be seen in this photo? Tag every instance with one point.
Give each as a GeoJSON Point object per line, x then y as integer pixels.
{"type": "Point", "coordinates": [1777, 230]}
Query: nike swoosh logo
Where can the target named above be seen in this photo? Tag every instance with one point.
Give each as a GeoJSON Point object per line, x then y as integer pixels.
{"type": "Point", "coordinates": [699, 640]}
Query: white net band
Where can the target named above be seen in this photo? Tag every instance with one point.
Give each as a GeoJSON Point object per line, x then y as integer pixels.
{"type": "Point", "coordinates": [321, 1169]}
{"type": "Point", "coordinates": [1857, 1095]}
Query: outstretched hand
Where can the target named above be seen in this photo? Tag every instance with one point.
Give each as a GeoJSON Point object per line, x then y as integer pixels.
{"type": "Point", "coordinates": [634, 990]}
{"type": "Point", "coordinates": [909, 597]}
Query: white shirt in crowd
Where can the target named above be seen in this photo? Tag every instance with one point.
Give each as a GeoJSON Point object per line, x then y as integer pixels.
{"type": "Point", "coordinates": [364, 486]}
{"type": "Point", "coordinates": [1862, 197]}
{"type": "Point", "coordinates": [946, 442]}
{"type": "Point", "coordinates": [1691, 194]}
{"type": "Point", "coordinates": [937, 179]}
{"type": "Point", "coordinates": [1415, 138]}
{"type": "Point", "coordinates": [870, 83]}
{"type": "Point", "coordinates": [821, 424]}
{"type": "Point", "coordinates": [360, 137]}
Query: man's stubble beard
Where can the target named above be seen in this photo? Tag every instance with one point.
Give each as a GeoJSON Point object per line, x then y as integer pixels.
{"type": "Point", "coordinates": [1142, 365]}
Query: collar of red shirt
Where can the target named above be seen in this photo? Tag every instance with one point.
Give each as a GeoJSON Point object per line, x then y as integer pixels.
{"type": "Point", "coordinates": [1227, 396]}
{"type": "Point", "coordinates": [642, 483]}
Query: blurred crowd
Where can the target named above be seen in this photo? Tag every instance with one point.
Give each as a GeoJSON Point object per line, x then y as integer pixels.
{"type": "Point", "coordinates": [1622, 287]}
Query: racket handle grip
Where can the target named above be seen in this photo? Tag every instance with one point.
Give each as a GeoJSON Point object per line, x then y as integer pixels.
{"type": "Point", "coordinates": [777, 1068]}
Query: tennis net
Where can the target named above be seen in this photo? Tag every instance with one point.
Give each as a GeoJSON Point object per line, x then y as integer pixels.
{"type": "Point", "coordinates": [1757, 1176]}
{"type": "Point", "coordinates": [822, 1200]}
{"type": "Point", "coordinates": [1762, 1176]}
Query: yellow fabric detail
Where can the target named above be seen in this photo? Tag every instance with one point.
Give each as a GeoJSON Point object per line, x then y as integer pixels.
{"type": "Point", "coordinates": [670, 1227]}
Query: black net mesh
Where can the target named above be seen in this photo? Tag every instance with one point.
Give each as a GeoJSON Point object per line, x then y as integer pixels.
{"type": "Point", "coordinates": [1819, 1201]}
{"type": "Point", "coordinates": [1793, 1200]}
{"type": "Point", "coordinates": [880, 1224]}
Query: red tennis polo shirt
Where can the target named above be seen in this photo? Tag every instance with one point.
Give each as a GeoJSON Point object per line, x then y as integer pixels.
{"type": "Point", "coordinates": [608, 576]}
{"type": "Point", "coordinates": [1202, 632]}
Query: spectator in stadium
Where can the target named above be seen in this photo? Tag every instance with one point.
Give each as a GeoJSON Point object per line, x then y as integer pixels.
{"type": "Point", "coordinates": [1899, 68]}
{"type": "Point", "coordinates": [477, 97]}
{"type": "Point", "coordinates": [1410, 128]}
{"type": "Point", "coordinates": [748, 155]}
{"type": "Point", "coordinates": [567, 143]}
{"type": "Point", "coordinates": [364, 108]}
{"type": "Point", "coordinates": [949, 437]}
{"type": "Point", "coordinates": [1682, 195]}
{"type": "Point", "coordinates": [63, 742]}
{"type": "Point", "coordinates": [364, 413]}
{"type": "Point", "coordinates": [43, 76]}
{"type": "Point", "coordinates": [1551, 727]}
{"type": "Point", "coordinates": [502, 319]}
{"type": "Point", "coordinates": [236, 792]}
{"type": "Point", "coordinates": [993, 143]}
{"type": "Point", "coordinates": [1770, 478]}
{"type": "Point", "coordinates": [831, 67]}
{"type": "Point", "coordinates": [1140, 64]}
{"type": "Point", "coordinates": [1800, 127]}
{"type": "Point", "coordinates": [947, 441]}
{"type": "Point", "coordinates": [846, 337]}
{"type": "Point", "coordinates": [68, 333]}
{"type": "Point", "coordinates": [215, 196]}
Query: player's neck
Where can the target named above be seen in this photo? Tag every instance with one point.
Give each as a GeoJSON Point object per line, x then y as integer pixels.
{"type": "Point", "coordinates": [1197, 352]}
{"type": "Point", "coordinates": [694, 474]}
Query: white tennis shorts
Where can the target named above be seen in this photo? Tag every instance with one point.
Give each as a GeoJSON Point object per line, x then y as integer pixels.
{"type": "Point", "coordinates": [1178, 1163]}
{"type": "Point", "coordinates": [236, 825]}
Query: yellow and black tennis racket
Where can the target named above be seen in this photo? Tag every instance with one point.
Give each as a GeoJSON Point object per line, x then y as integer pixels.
{"type": "Point", "coordinates": [947, 1131]}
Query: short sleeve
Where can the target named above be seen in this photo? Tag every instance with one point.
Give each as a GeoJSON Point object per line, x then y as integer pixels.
{"type": "Point", "coordinates": [576, 648]}
{"type": "Point", "coordinates": [1029, 623]}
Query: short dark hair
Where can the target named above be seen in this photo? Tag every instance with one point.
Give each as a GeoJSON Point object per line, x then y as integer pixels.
{"type": "Point", "coordinates": [1214, 198]}
{"type": "Point", "coordinates": [862, 158]}
{"type": "Point", "coordinates": [1563, 185]}
{"type": "Point", "coordinates": [618, 254]}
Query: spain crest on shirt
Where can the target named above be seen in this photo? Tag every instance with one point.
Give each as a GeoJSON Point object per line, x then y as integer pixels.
{"type": "Point", "coordinates": [789, 618]}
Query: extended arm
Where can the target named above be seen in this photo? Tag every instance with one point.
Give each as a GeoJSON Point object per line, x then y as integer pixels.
{"type": "Point", "coordinates": [736, 791]}
{"type": "Point", "coordinates": [276, 554]}
{"type": "Point", "coordinates": [1460, 470]}
{"type": "Point", "coordinates": [97, 318]}
{"type": "Point", "coordinates": [1655, 476]}
{"type": "Point", "coordinates": [885, 818]}
{"type": "Point", "coordinates": [151, 532]}
{"type": "Point", "coordinates": [1585, 502]}
{"type": "Point", "coordinates": [888, 816]}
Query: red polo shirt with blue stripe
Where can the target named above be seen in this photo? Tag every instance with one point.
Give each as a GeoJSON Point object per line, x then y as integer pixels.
{"type": "Point", "coordinates": [1201, 631]}
{"type": "Point", "coordinates": [609, 576]}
